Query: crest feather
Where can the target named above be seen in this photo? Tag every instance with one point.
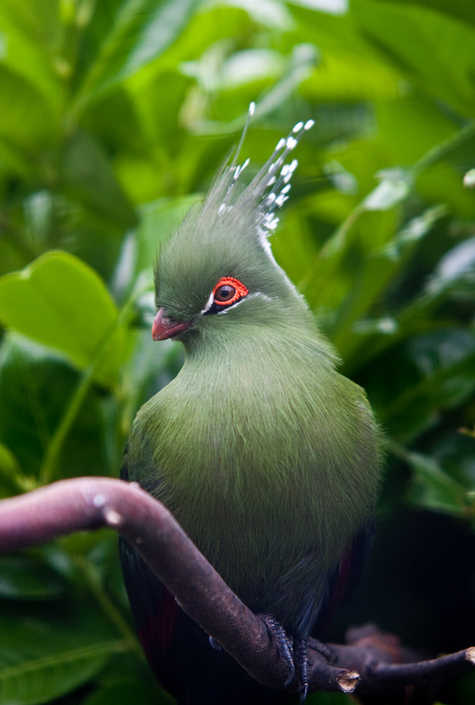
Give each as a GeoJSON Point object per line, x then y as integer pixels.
{"type": "Point", "coordinates": [268, 190]}
{"type": "Point", "coordinates": [230, 231]}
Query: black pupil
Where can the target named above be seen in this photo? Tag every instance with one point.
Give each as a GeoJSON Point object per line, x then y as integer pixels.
{"type": "Point", "coordinates": [225, 292]}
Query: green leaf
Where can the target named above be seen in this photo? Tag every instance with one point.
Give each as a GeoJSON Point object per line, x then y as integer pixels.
{"type": "Point", "coordinates": [60, 302]}
{"type": "Point", "coordinates": [455, 452]}
{"type": "Point", "coordinates": [453, 277]}
{"type": "Point", "coordinates": [137, 31]}
{"type": "Point", "coordinates": [432, 487]}
{"type": "Point", "coordinates": [30, 31]}
{"type": "Point", "coordinates": [158, 221]}
{"type": "Point", "coordinates": [38, 680]}
{"type": "Point", "coordinates": [124, 692]}
{"type": "Point", "coordinates": [12, 479]}
{"type": "Point", "coordinates": [460, 9]}
{"type": "Point", "coordinates": [125, 672]}
{"type": "Point", "coordinates": [90, 179]}
{"type": "Point", "coordinates": [299, 64]}
{"type": "Point", "coordinates": [217, 71]}
{"type": "Point", "coordinates": [35, 389]}
{"type": "Point", "coordinates": [435, 50]}
{"type": "Point", "coordinates": [26, 578]}
{"type": "Point", "coordinates": [469, 179]}
{"type": "Point", "coordinates": [429, 374]}
{"type": "Point", "coordinates": [379, 269]}
{"type": "Point", "coordinates": [44, 657]}
{"type": "Point", "coordinates": [455, 271]}
{"type": "Point", "coordinates": [212, 23]}
{"type": "Point", "coordinates": [19, 124]}
{"type": "Point", "coordinates": [394, 186]}
{"type": "Point", "coordinates": [350, 69]}
{"type": "Point", "coordinates": [8, 463]}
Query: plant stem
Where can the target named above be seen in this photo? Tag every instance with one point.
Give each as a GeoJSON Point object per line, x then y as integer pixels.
{"type": "Point", "coordinates": [110, 610]}
{"type": "Point", "coordinates": [337, 240]}
{"type": "Point", "coordinates": [441, 150]}
{"type": "Point", "coordinates": [54, 449]}
{"type": "Point", "coordinates": [333, 246]}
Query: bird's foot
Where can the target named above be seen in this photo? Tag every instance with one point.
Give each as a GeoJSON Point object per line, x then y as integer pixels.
{"type": "Point", "coordinates": [294, 651]}
{"type": "Point", "coordinates": [301, 661]}
{"type": "Point", "coordinates": [284, 644]}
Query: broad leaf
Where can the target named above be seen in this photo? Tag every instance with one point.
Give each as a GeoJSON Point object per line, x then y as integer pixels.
{"type": "Point", "coordinates": [36, 387]}
{"type": "Point", "coordinates": [43, 657]}
{"type": "Point", "coordinates": [28, 30]}
{"type": "Point", "coordinates": [438, 370]}
{"type": "Point", "coordinates": [456, 8]}
{"type": "Point", "coordinates": [379, 269]}
{"type": "Point", "coordinates": [60, 302]}
{"type": "Point", "coordinates": [135, 33]}
{"type": "Point", "coordinates": [19, 124]}
{"type": "Point", "coordinates": [432, 48]}
{"type": "Point", "coordinates": [394, 186]}
{"type": "Point", "coordinates": [90, 179]}
{"type": "Point", "coordinates": [158, 221]}
{"type": "Point", "coordinates": [432, 487]}
{"type": "Point", "coordinates": [455, 272]}
{"type": "Point", "coordinates": [26, 578]}
{"type": "Point", "coordinates": [125, 692]}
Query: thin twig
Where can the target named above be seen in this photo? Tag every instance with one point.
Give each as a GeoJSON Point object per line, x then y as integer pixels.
{"type": "Point", "coordinates": [372, 663]}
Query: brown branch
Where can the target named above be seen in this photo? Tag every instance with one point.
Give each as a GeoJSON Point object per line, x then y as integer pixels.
{"type": "Point", "coordinates": [372, 662]}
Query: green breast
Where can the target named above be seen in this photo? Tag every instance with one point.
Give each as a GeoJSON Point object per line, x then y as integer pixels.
{"type": "Point", "coordinates": [268, 459]}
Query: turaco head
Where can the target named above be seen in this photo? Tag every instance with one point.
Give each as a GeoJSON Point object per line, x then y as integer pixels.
{"type": "Point", "coordinates": [218, 268]}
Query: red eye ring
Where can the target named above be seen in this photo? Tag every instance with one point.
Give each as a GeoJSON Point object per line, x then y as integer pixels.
{"type": "Point", "coordinates": [237, 287]}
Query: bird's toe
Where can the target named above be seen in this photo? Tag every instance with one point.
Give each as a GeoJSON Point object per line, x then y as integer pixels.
{"type": "Point", "coordinates": [284, 644]}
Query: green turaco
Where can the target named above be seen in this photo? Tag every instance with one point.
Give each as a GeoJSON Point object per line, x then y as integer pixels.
{"type": "Point", "coordinates": [265, 454]}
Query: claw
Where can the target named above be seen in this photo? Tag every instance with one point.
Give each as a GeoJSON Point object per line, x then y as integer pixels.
{"type": "Point", "coordinates": [295, 653]}
{"type": "Point", "coordinates": [284, 644]}
{"type": "Point", "coordinates": [301, 662]}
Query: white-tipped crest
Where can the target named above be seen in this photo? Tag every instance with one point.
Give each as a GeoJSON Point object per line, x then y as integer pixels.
{"type": "Point", "coordinates": [270, 187]}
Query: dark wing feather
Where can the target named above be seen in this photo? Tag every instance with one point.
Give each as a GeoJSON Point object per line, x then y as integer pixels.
{"type": "Point", "coordinates": [153, 607]}
{"type": "Point", "coordinates": [177, 649]}
{"type": "Point", "coordinates": [347, 575]}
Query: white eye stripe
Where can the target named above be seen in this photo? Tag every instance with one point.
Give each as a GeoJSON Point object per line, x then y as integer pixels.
{"type": "Point", "coordinates": [208, 304]}
{"type": "Point", "coordinates": [241, 301]}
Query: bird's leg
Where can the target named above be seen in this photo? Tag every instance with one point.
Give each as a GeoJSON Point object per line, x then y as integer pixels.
{"type": "Point", "coordinates": [295, 653]}
{"type": "Point", "coordinates": [284, 644]}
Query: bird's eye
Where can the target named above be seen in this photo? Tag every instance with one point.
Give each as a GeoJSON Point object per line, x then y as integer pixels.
{"type": "Point", "coordinates": [228, 291]}
{"type": "Point", "coordinates": [224, 293]}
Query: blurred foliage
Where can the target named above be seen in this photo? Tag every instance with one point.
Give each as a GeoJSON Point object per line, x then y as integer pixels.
{"type": "Point", "coordinates": [115, 116]}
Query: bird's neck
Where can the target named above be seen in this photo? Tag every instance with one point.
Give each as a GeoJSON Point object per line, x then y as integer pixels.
{"type": "Point", "coordinates": [286, 341]}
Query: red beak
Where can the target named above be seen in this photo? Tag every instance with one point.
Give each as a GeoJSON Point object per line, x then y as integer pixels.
{"type": "Point", "coordinates": [163, 327]}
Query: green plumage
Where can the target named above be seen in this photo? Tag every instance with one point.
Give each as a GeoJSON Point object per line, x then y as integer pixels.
{"type": "Point", "coordinates": [266, 455]}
